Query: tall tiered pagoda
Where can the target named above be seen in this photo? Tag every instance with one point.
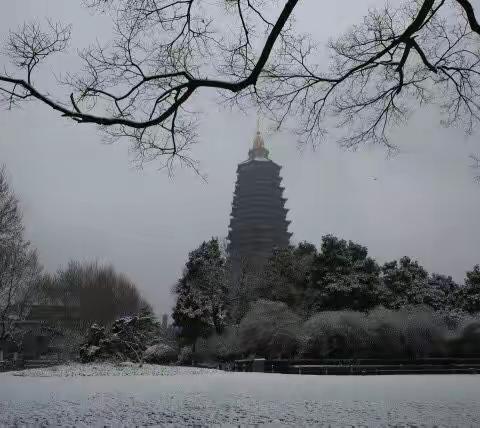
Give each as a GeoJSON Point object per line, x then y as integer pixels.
{"type": "Point", "coordinates": [259, 218]}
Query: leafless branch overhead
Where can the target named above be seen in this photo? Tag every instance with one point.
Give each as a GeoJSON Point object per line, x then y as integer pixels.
{"type": "Point", "coordinates": [141, 84]}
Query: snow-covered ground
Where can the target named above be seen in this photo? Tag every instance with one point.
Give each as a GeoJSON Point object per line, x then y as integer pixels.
{"type": "Point", "coordinates": [106, 369]}
{"type": "Point", "coordinates": [184, 397]}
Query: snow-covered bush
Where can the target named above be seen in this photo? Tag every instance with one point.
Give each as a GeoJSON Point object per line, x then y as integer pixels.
{"type": "Point", "coordinates": [336, 334]}
{"type": "Point", "coordinates": [218, 347]}
{"type": "Point", "coordinates": [411, 332]}
{"type": "Point", "coordinates": [269, 329]}
{"type": "Point", "coordinates": [160, 354]}
{"type": "Point", "coordinates": [127, 339]}
{"type": "Point", "coordinates": [383, 333]}
{"type": "Point", "coordinates": [225, 346]}
{"type": "Point", "coordinates": [466, 341]}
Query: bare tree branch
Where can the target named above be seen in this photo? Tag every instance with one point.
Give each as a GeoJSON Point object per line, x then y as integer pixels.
{"type": "Point", "coordinates": [165, 51]}
{"type": "Point", "coordinates": [476, 165]}
{"type": "Point", "coordinates": [472, 20]}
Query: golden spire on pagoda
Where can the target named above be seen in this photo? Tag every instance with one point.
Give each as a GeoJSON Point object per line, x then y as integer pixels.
{"type": "Point", "coordinates": [258, 150]}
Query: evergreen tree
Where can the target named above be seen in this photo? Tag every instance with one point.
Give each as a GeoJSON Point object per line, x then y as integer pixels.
{"type": "Point", "coordinates": [201, 292]}
{"type": "Point", "coordinates": [442, 292]}
{"type": "Point", "coordinates": [470, 294]}
{"type": "Point", "coordinates": [405, 283]}
{"type": "Point", "coordinates": [343, 277]}
{"type": "Point", "coordinates": [287, 275]}
{"type": "Point", "coordinates": [244, 288]}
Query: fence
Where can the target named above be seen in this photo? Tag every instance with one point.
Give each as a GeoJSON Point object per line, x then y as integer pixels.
{"type": "Point", "coordinates": [361, 366]}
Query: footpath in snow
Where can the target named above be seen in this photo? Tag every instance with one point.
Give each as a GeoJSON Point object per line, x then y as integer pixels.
{"type": "Point", "coordinates": [107, 395]}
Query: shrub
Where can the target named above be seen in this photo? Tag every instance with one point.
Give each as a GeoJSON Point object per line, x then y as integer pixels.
{"type": "Point", "coordinates": [219, 347]}
{"type": "Point", "coordinates": [127, 339]}
{"type": "Point", "coordinates": [382, 333]}
{"type": "Point", "coordinates": [335, 334]}
{"type": "Point", "coordinates": [410, 332]}
{"type": "Point", "coordinates": [160, 354]}
{"type": "Point", "coordinates": [466, 342]}
{"type": "Point", "coordinates": [269, 329]}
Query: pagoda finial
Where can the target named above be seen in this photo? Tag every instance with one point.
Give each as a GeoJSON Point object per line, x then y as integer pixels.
{"type": "Point", "coordinates": [258, 150]}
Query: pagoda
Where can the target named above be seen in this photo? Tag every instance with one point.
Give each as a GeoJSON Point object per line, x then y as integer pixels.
{"type": "Point", "coordinates": [258, 221]}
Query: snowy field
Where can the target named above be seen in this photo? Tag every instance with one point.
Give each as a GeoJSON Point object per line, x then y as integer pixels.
{"type": "Point", "coordinates": [174, 396]}
{"type": "Point", "coordinates": [107, 369]}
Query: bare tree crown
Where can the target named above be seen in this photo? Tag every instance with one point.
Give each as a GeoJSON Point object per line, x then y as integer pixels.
{"type": "Point", "coordinates": [142, 84]}
{"type": "Point", "coordinates": [19, 267]}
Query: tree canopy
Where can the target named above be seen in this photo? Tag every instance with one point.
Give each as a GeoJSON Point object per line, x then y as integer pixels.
{"type": "Point", "coordinates": [141, 84]}
{"type": "Point", "coordinates": [334, 301]}
{"type": "Point", "coordinates": [471, 291]}
{"type": "Point", "coordinates": [19, 266]}
{"type": "Point", "coordinates": [344, 277]}
{"type": "Point", "coordinates": [338, 276]}
{"type": "Point", "coordinates": [94, 292]}
{"type": "Point", "coordinates": [201, 292]}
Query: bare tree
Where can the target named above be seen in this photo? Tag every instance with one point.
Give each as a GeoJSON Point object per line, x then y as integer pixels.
{"type": "Point", "coordinates": [93, 293]}
{"type": "Point", "coordinates": [476, 165]}
{"type": "Point", "coordinates": [142, 84]}
{"type": "Point", "coordinates": [19, 267]}
{"type": "Point", "coordinates": [10, 215]}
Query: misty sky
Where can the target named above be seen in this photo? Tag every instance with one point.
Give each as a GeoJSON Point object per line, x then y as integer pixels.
{"type": "Point", "coordinates": [85, 200]}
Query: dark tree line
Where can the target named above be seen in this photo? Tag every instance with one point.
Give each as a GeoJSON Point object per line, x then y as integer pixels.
{"type": "Point", "coordinates": [92, 293]}
{"type": "Point", "coordinates": [341, 276]}
{"type": "Point", "coordinates": [270, 308]}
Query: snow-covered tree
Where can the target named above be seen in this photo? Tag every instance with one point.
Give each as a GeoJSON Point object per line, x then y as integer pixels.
{"type": "Point", "coordinates": [343, 277]}
{"type": "Point", "coordinates": [201, 306]}
{"type": "Point", "coordinates": [287, 275]}
{"type": "Point", "coordinates": [11, 227]}
{"type": "Point", "coordinates": [244, 288]}
{"type": "Point", "coordinates": [284, 278]}
{"type": "Point", "coordinates": [442, 292]}
{"type": "Point", "coordinates": [405, 283]}
{"type": "Point", "coordinates": [19, 267]}
{"type": "Point", "coordinates": [471, 291]}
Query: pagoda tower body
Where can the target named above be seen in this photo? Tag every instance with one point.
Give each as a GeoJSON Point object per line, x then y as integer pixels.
{"type": "Point", "coordinates": [258, 221]}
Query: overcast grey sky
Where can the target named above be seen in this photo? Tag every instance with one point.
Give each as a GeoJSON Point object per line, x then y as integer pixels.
{"type": "Point", "coordinates": [84, 200]}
